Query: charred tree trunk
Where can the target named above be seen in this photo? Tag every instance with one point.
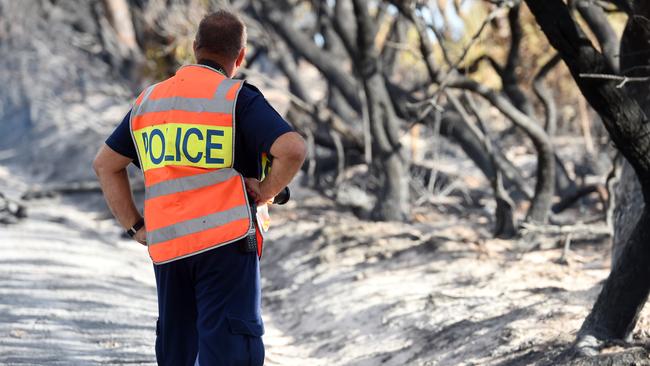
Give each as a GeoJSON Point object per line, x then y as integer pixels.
{"type": "Point", "coordinates": [545, 95]}
{"type": "Point", "coordinates": [389, 161]}
{"type": "Point", "coordinates": [626, 290]}
{"type": "Point", "coordinates": [504, 214]}
{"type": "Point", "coordinates": [504, 226]}
{"type": "Point", "coordinates": [635, 60]}
{"type": "Point", "coordinates": [564, 186]}
{"type": "Point", "coordinates": [628, 207]}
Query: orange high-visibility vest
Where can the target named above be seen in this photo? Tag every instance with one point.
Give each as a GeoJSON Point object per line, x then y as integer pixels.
{"type": "Point", "coordinates": [184, 133]}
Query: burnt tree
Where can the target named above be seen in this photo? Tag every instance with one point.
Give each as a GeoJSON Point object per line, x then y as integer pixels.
{"type": "Point", "coordinates": [544, 189]}
{"type": "Point", "coordinates": [616, 310]}
{"type": "Point", "coordinates": [343, 87]}
{"type": "Point", "coordinates": [634, 60]}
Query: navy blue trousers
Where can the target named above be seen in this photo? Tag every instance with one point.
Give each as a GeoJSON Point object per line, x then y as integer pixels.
{"type": "Point", "coordinates": [209, 310]}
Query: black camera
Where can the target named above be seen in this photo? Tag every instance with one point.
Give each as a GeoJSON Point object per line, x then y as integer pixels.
{"type": "Point", "coordinates": [282, 197]}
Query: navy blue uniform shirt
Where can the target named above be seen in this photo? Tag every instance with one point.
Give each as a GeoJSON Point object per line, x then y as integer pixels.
{"type": "Point", "coordinates": [257, 126]}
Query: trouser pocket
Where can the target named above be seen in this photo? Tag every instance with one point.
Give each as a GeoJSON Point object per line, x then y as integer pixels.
{"type": "Point", "coordinates": [251, 347]}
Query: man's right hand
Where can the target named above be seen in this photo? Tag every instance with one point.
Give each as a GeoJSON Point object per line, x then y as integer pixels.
{"type": "Point", "coordinates": [110, 167]}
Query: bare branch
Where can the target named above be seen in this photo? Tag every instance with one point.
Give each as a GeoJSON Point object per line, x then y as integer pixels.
{"type": "Point", "coordinates": [327, 63]}
{"type": "Point", "coordinates": [598, 22]}
{"type": "Point", "coordinates": [546, 95]}
{"type": "Point", "coordinates": [623, 79]}
{"type": "Point", "coordinates": [318, 111]}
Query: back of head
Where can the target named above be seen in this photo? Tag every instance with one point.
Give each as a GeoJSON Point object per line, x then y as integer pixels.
{"type": "Point", "coordinates": [222, 34]}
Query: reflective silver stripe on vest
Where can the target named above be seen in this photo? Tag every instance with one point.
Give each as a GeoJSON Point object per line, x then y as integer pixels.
{"type": "Point", "coordinates": [222, 90]}
{"type": "Point", "coordinates": [189, 183]}
{"type": "Point", "coordinates": [197, 225]}
{"type": "Point", "coordinates": [145, 97]}
{"type": "Point", "coordinates": [216, 104]}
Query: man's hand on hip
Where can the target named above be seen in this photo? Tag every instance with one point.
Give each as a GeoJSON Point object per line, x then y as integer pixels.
{"type": "Point", "coordinates": [141, 236]}
{"type": "Point", "coordinates": [256, 191]}
{"type": "Point", "coordinates": [288, 152]}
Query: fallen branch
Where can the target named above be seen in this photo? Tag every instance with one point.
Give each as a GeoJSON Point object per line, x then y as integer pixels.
{"type": "Point", "coordinates": [570, 200]}
{"type": "Point", "coordinates": [578, 229]}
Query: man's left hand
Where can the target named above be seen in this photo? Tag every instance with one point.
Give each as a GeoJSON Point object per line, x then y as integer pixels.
{"type": "Point", "coordinates": [256, 191]}
{"type": "Point", "coordinates": [141, 236]}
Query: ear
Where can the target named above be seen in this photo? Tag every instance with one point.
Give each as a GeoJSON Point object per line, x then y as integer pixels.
{"type": "Point", "coordinates": [241, 57]}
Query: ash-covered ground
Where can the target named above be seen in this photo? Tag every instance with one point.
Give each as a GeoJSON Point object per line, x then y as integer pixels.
{"type": "Point", "coordinates": [337, 291]}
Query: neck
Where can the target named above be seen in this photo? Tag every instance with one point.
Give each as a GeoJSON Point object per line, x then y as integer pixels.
{"type": "Point", "coordinates": [229, 69]}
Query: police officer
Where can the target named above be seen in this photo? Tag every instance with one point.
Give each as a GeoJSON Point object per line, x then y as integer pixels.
{"type": "Point", "coordinates": [196, 136]}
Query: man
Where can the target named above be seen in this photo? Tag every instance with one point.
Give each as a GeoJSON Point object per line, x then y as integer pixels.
{"type": "Point", "coordinates": [198, 226]}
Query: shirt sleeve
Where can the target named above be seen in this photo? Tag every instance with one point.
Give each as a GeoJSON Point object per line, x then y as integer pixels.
{"type": "Point", "coordinates": [260, 123]}
{"type": "Point", "coordinates": [122, 142]}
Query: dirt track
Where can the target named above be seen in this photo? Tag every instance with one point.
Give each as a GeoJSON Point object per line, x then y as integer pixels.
{"type": "Point", "coordinates": [337, 291]}
{"type": "Point", "coordinates": [68, 297]}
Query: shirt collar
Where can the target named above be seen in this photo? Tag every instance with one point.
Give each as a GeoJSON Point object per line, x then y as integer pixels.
{"type": "Point", "coordinates": [213, 65]}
